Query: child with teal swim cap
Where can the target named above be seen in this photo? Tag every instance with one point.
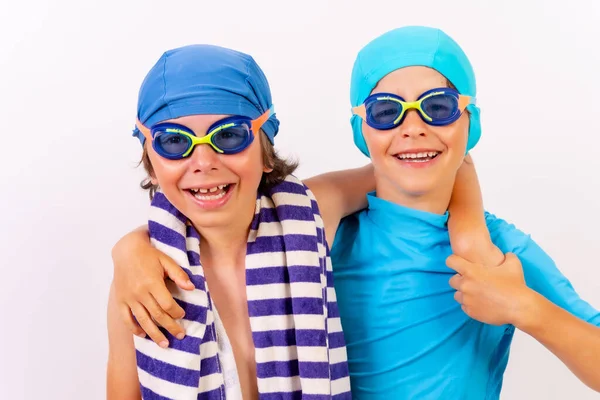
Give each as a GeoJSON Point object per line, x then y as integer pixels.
{"type": "Point", "coordinates": [415, 327]}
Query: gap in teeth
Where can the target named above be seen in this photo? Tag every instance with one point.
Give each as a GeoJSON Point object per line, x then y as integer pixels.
{"type": "Point", "coordinates": [210, 190]}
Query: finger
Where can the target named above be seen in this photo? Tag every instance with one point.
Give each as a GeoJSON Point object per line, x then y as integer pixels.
{"type": "Point", "coordinates": [148, 325]}
{"type": "Point", "coordinates": [162, 318]}
{"type": "Point", "coordinates": [165, 300]}
{"type": "Point", "coordinates": [176, 273]}
{"type": "Point", "coordinates": [458, 296]}
{"type": "Point", "coordinates": [459, 264]}
{"type": "Point", "coordinates": [456, 281]}
{"type": "Point", "coordinates": [127, 317]}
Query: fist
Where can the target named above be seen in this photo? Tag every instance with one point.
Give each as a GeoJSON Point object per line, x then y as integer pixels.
{"type": "Point", "coordinates": [492, 295]}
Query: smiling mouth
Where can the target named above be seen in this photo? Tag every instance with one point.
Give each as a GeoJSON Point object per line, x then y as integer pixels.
{"type": "Point", "coordinates": [418, 157]}
{"type": "Point", "coordinates": [213, 193]}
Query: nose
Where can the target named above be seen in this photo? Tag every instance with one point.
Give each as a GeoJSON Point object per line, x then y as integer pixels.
{"type": "Point", "coordinates": [413, 126]}
{"type": "Point", "coordinates": [204, 158]}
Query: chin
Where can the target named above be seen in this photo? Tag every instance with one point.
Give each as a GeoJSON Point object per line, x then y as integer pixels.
{"type": "Point", "coordinates": [415, 187]}
{"type": "Point", "coordinates": [210, 221]}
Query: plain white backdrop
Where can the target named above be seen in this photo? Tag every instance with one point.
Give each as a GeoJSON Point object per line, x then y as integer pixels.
{"type": "Point", "coordinates": [69, 75]}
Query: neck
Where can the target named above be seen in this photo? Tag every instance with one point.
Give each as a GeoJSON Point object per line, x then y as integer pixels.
{"type": "Point", "coordinates": [435, 201]}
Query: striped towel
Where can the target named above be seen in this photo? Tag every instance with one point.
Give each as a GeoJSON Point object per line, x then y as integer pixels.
{"type": "Point", "coordinates": [300, 348]}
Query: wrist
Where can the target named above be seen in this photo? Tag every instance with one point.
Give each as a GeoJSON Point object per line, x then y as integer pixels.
{"type": "Point", "coordinates": [528, 313]}
{"type": "Point", "coordinates": [478, 249]}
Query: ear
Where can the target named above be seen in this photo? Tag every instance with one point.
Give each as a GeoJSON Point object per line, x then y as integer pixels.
{"type": "Point", "coordinates": [468, 159]}
{"type": "Point", "coordinates": [153, 180]}
{"type": "Point", "coordinates": [267, 169]}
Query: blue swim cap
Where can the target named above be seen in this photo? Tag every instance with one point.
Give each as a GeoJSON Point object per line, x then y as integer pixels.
{"type": "Point", "coordinates": [412, 46]}
{"type": "Point", "coordinates": [204, 79]}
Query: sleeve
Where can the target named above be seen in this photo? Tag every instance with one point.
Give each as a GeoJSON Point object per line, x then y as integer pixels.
{"type": "Point", "coordinates": [541, 273]}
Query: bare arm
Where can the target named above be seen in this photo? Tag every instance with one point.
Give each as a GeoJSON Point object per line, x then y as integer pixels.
{"type": "Point", "coordinates": [574, 341]}
{"type": "Point", "coordinates": [469, 235]}
{"type": "Point", "coordinates": [499, 295]}
{"type": "Point", "coordinates": [121, 379]}
{"type": "Point", "coordinates": [341, 193]}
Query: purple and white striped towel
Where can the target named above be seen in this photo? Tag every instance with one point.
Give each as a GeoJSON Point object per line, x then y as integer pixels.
{"type": "Point", "coordinates": [300, 348]}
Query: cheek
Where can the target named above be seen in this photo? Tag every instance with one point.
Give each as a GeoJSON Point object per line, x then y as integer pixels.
{"type": "Point", "coordinates": [166, 172]}
{"type": "Point", "coordinates": [377, 141]}
{"type": "Point", "coordinates": [455, 136]}
{"type": "Point", "coordinates": [248, 166]}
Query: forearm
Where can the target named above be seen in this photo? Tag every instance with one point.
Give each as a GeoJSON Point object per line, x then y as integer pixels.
{"type": "Point", "coordinates": [575, 342]}
{"type": "Point", "coordinates": [118, 388]}
{"type": "Point", "coordinates": [469, 234]}
{"type": "Point", "coordinates": [121, 373]}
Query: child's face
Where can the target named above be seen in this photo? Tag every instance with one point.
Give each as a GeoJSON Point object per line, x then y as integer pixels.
{"type": "Point", "coordinates": [398, 175]}
{"type": "Point", "coordinates": [209, 188]}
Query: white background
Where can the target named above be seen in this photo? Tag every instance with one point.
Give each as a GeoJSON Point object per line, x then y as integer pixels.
{"type": "Point", "coordinates": [69, 75]}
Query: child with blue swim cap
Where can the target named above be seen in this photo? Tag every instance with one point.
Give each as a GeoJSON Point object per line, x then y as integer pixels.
{"type": "Point", "coordinates": [260, 311]}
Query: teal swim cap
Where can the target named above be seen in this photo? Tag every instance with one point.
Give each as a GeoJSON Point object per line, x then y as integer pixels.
{"type": "Point", "coordinates": [412, 46]}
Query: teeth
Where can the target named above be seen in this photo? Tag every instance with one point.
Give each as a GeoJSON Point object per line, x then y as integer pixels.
{"type": "Point", "coordinates": [199, 191]}
{"type": "Point", "coordinates": [209, 190]}
{"type": "Point", "coordinates": [412, 156]}
{"type": "Point", "coordinates": [212, 197]}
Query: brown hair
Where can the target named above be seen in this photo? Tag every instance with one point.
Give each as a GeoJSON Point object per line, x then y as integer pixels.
{"type": "Point", "coordinates": [271, 159]}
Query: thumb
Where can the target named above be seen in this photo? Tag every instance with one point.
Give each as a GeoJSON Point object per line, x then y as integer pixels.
{"type": "Point", "coordinates": [176, 273]}
{"type": "Point", "coordinates": [459, 264]}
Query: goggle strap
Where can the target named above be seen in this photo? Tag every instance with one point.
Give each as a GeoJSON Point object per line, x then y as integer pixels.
{"type": "Point", "coordinates": [361, 111]}
{"type": "Point", "coordinates": [464, 101]}
{"type": "Point", "coordinates": [145, 131]}
{"type": "Point", "coordinates": [260, 121]}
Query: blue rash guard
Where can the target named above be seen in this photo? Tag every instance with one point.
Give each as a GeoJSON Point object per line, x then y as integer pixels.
{"type": "Point", "coordinates": [407, 338]}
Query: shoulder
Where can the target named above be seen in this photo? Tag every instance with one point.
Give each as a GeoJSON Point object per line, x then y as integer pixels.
{"type": "Point", "coordinates": [509, 238]}
{"type": "Point", "coordinates": [347, 233]}
{"type": "Point", "coordinates": [506, 235]}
